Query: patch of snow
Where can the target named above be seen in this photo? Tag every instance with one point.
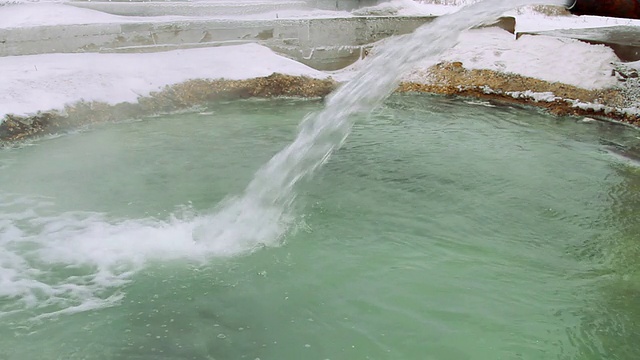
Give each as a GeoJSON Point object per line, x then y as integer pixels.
{"type": "Point", "coordinates": [632, 111]}
{"type": "Point", "coordinates": [546, 58]}
{"type": "Point", "coordinates": [487, 90]}
{"type": "Point", "coordinates": [50, 81]}
{"type": "Point", "coordinates": [634, 65]}
{"type": "Point", "coordinates": [529, 21]}
{"type": "Point", "coordinates": [21, 2]}
{"type": "Point", "coordinates": [535, 96]}
{"type": "Point", "coordinates": [591, 106]}
{"type": "Point", "coordinates": [50, 13]}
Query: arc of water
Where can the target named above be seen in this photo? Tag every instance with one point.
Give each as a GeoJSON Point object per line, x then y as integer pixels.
{"type": "Point", "coordinates": [272, 190]}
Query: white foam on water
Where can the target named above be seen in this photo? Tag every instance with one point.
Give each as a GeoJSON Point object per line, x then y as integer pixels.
{"type": "Point", "coordinates": [64, 263]}
{"type": "Point", "coordinates": [76, 261]}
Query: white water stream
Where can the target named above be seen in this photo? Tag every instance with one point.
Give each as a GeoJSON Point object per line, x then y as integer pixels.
{"type": "Point", "coordinates": [257, 217]}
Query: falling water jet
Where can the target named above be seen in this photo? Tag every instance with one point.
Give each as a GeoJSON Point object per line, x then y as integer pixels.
{"type": "Point", "coordinates": [260, 214]}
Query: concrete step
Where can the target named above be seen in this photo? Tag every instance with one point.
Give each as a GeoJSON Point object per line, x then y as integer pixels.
{"type": "Point", "coordinates": [93, 37]}
{"type": "Point", "coordinates": [322, 43]}
{"type": "Point", "coordinates": [170, 47]}
{"type": "Point", "coordinates": [306, 33]}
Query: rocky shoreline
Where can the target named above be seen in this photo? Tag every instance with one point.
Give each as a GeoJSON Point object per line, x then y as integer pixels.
{"type": "Point", "coordinates": [615, 104]}
{"type": "Point", "coordinates": [619, 104]}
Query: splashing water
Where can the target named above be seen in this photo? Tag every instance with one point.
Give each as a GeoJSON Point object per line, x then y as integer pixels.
{"type": "Point", "coordinates": [272, 191]}
{"type": "Point", "coordinates": [100, 256]}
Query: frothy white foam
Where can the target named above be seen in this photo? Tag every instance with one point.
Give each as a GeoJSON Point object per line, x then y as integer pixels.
{"type": "Point", "coordinates": [76, 261]}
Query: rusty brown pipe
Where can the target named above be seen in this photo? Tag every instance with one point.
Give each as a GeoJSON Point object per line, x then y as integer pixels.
{"type": "Point", "coordinates": [629, 9]}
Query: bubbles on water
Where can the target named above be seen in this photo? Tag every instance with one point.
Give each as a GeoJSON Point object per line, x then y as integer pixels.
{"type": "Point", "coordinates": [240, 225]}
{"type": "Point", "coordinates": [77, 261]}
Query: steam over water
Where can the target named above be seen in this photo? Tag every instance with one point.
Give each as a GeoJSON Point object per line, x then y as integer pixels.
{"type": "Point", "coordinates": [489, 230]}
{"type": "Point", "coordinates": [443, 229]}
{"type": "Point", "coordinates": [103, 252]}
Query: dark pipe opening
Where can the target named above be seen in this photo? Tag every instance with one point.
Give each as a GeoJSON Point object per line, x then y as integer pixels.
{"type": "Point", "coordinates": [629, 9]}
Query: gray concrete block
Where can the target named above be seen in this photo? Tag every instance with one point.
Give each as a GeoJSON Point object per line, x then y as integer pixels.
{"type": "Point", "coordinates": [325, 44]}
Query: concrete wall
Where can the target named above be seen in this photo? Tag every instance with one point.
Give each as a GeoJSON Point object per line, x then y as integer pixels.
{"type": "Point", "coordinates": [321, 43]}
{"type": "Point", "coordinates": [324, 44]}
{"type": "Point", "coordinates": [342, 4]}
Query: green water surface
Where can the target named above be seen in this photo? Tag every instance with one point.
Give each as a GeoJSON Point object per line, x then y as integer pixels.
{"type": "Point", "coordinates": [441, 230]}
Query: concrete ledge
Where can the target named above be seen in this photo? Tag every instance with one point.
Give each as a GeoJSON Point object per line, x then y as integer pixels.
{"type": "Point", "coordinates": [170, 47]}
{"type": "Point", "coordinates": [321, 43]}
{"type": "Point", "coordinates": [324, 44]}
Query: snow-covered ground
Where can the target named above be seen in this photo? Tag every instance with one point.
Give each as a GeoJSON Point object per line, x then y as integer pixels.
{"type": "Point", "coordinates": [46, 14]}
{"type": "Point", "coordinates": [44, 82]}
{"type": "Point", "coordinates": [49, 81]}
{"type": "Point", "coordinates": [547, 58]}
{"type": "Point", "coordinates": [57, 13]}
{"type": "Point", "coordinates": [527, 19]}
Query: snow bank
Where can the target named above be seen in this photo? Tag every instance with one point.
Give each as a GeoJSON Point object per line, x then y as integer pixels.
{"type": "Point", "coordinates": [45, 14]}
{"type": "Point", "coordinates": [45, 82]}
{"type": "Point", "coordinates": [551, 59]}
{"type": "Point", "coordinates": [634, 65]}
{"type": "Point", "coordinates": [527, 19]}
